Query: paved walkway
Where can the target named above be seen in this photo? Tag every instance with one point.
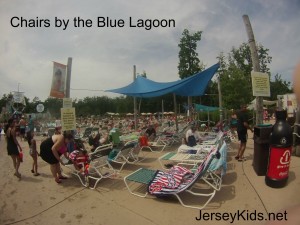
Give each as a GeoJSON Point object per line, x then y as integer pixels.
{"type": "Point", "coordinates": [39, 200]}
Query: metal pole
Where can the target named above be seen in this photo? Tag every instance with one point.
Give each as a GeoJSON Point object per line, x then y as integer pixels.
{"type": "Point", "coordinates": [162, 110]}
{"type": "Point", "coordinates": [175, 110]}
{"type": "Point", "coordinates": [256, 67]}
{"type": "Point", "coordinates": [220, 100]}
{"type": "Point", "coordinates": [134, 101]}
{"type": "Point", "coordinates": [68, 79]}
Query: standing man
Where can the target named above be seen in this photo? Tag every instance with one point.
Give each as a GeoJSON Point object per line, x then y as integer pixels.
{"type": "Point", "coordinates": [242, 127]}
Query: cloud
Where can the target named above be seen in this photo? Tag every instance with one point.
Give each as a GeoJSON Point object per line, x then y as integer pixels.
{"type": "Point", "coordinates": [103, 57]}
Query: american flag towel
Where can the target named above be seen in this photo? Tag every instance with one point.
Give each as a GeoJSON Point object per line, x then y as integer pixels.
{"type": "Point", "coordinates": [170, 180]}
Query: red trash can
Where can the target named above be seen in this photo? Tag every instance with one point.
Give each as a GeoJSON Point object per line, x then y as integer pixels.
{"type": "Point", "coordinates": [280, 152]}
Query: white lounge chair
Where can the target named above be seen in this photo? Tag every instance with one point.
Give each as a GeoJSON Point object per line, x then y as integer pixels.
{"type": "Point", "coordinates": [173, 182]}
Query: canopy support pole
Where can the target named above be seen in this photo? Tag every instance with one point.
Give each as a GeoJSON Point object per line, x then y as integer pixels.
{"type": "Point", "coordinates": [175, 110]}
{"type": "Point", "coordinates": [134, 101]}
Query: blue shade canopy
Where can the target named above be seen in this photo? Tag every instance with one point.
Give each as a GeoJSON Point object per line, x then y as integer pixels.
{"type": "Point", "coordinates": [191, 86]}
{"type": "Point", "coordinates": [205, 108]}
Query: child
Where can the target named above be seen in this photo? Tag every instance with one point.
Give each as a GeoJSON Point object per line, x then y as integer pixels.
{"type": "Point", "coordinates": [33, 152]}
{"type": "Point", "coordinates": [80, 160]}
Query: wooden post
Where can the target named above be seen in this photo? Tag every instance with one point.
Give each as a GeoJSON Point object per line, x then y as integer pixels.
{"type": "Point", "coordinates": [68, 80]}
{"type": "Point", "coordinates": [256, 67]}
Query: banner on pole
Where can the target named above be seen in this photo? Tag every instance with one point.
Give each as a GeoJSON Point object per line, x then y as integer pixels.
{"type": "Point", "coordinates": [58, 80]}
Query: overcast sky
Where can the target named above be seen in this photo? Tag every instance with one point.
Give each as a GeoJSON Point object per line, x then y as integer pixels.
{"type": "Point", "coordinates": [103, 57]}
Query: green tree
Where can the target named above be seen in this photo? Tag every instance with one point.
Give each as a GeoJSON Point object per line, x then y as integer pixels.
{"type": "Point", "coordinates": [189, 62]}
{"type": "Point", "coordinates": [279, 87]}
{"type": "Point", "coordinates": [235, 74]}
{"type": "Point", "coordinates": [5, 100]}
{"type": "Point", "coordinates": [53, 106]}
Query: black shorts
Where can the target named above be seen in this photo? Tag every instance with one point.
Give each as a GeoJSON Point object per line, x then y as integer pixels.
{"type": "Point", "coordinates": [22, 130]}
{"type": "Point", "coordinates": [242, 137]}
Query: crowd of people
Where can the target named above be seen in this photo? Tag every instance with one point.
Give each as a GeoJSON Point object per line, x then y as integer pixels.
{"type": "Point", "coordinates": [62, 143]}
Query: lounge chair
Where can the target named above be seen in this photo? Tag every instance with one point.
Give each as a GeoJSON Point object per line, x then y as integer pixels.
{"type": "Point", "coordinates": [95, 167]}
{"type": "Point", "coordinates": [100, 151]}
{"type": "Point", "coordinates": [173, 182]}
{"type": "Point", "coordinates": [173, 158]}
{"type": "Point", "coordinates": [128, 154]}
{"type": "Point", "coordinates": [217, 169]}
{"type": "Point", "coordinates": [153, 146]}
{"type": "Point", "coordinates": [99, 169]}
{"type": "Point", "coordinates": [176, 136]}
{"type": "Point", "coordinates": [213, 140]}
{"type": "Point", "coordinates": [80, 173]}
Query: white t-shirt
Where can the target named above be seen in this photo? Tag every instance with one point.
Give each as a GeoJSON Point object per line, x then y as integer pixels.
{"type": "Point", "coordinates": [190, 133]}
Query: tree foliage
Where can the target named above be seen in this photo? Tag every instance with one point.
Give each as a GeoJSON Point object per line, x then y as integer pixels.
{"type": "Point", "coordinates": [235, 75]}
{"type": "Point", "coordinates": [234, 72]}
{"type": "Point", "coordinates": [189, 62]}
{"type": "Point", "coordinates": [279, 87]}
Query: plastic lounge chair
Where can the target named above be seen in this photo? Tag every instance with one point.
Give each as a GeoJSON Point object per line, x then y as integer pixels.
{"type": "Point", "coordinates": [181, 158]}
{"type": "Point", "coordinates": [151, 145]}
{"type": "Point", "coordinates": [128, 154]}
{"type": "Point", "coordinates": [100, 151]}
{"type": "Point", "coordinates": [160, 183]}
{"type": "Point", "coordinates": [214, 140]}
{"type": "Point", "coordinates": [100, 168]}
{"type": "Point", "coordinates": [186, 155]}
{"type": "Point", "coordinates": [95, 167]}
{"type": "Point", "coordinates": [217, 169]}
{"type": "Point", "coordinates": [177, 136]}
{"type": "Point", "coordinates": [81, 174]}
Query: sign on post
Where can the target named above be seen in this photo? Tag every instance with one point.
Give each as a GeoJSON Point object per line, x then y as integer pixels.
{"type": "Point", "coordinates": [260, 84]}
{"type": "Point", "coordinates": [68, 119]}
{"type": "Point", "coordinates": [67, 103]}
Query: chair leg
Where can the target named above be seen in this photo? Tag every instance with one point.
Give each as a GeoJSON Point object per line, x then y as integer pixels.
{"type": "Point", "coordinates": [210, 195]}
{"type": "Point", "coordinates": [213, 180]}
{"type": "Point", "coordinates": [75, 172]}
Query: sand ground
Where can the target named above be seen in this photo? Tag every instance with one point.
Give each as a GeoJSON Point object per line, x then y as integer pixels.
{"type": "Point", "coordinates": [39, 200]}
